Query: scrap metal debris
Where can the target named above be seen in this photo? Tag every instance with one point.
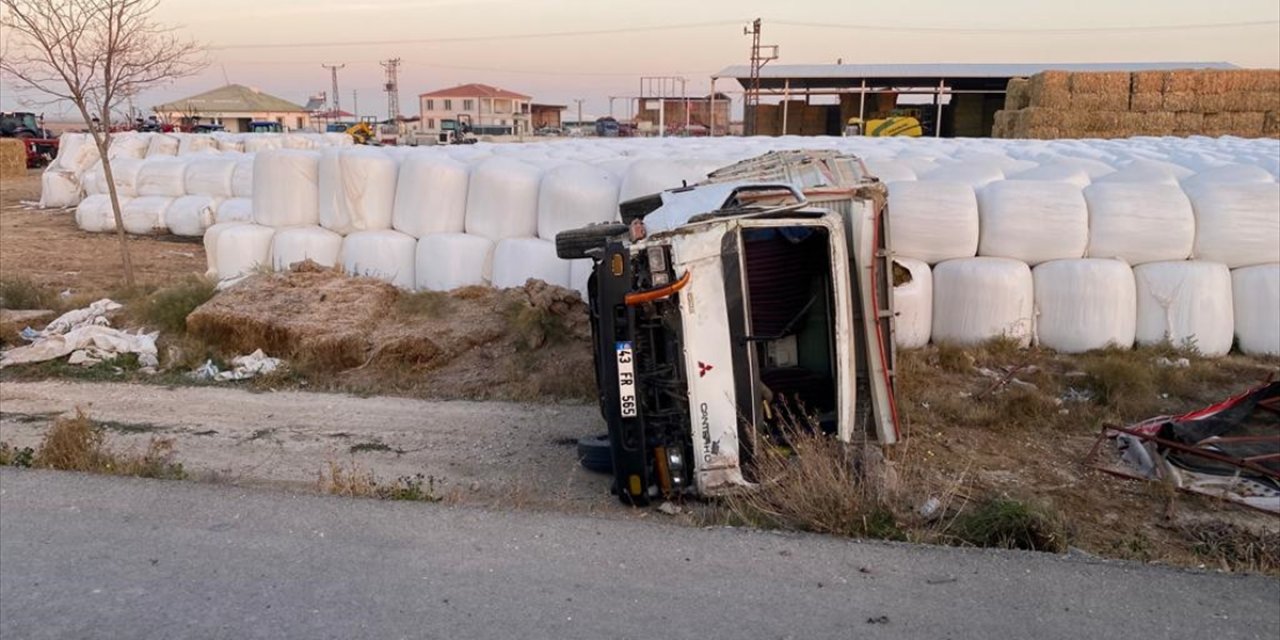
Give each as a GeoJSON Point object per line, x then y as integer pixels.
{"type": "Point", "coordinates": [1230, 450]}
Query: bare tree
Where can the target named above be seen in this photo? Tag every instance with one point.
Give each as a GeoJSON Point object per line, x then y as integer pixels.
{"type": "Point", "coordinates": [95, 54]}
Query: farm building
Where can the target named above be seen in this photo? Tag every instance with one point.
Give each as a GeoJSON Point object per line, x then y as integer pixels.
{"type": "Point", "coordinates": [951, 100]}
{"type": "Point", "coordinates": [234, 107]}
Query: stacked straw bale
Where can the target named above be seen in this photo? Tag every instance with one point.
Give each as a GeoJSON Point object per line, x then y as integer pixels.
{"type": "Point", "coordinates": [13, 158]}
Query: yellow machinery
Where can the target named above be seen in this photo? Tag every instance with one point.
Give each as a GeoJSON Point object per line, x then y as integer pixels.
{"type": "Point", "coordinates": [361, 132]}
{"type": "Point", "coordinates": [881, 127]}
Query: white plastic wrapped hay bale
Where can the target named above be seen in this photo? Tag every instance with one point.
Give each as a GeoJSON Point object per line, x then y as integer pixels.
{"type": "Point", "coordinates": [240, 248]}
{"type": "Point", "coordinates": [978, 299]}
{"type": "Point", "coordinates": [209, 176]}
{"type": "Point", "coordinates": [299, 141]}
{"type": "Point", "coordinates": [229, 143]}
{"type": "Point", "coordinates": [575, 195]}
{"type": "Point", "coordinates": [1255, 294]}
{"type": "Point", "coordinates": [384, 254]}
{"type": "Point", "coordinates": [94, 214]}
{"type": "Point", "coordinates": [211, 246]}
{"type": "Point", "coordinates": [1056, 172]}
{"type": "Point", "coordinates": [162, 144]}
{"type": "Point", "coordinates": [285, 191]}
{"type": "Point", "coordinates": [295, 244]}
{"type": "Point", "coordinates": [93, 183]}
{"type": "Point", "coordinates": [1229, 174]}
{"type": "Point", "coordinates": [191, 215]}
{"type": "Point", "coordinates": [196, 143]}
{"type": "Point", "coordinates": [1085, 304]}
{"type": "Point", "coordinates": [357, 188]}
{"type": "Point", "coordinates": [1237, 224]}
{"type": "Point", "coordinates": [974, 174]}
{"type": "Point", "coordinates": [242, 177]}
{"type": "Point", "coordinates": [502, 199]}
{"type": "Point", "coordinates": [890, 171]}
{"type": "Point", "coordinates": [516, 260]}
{"type": "Point", "coordinates": [76, 152]}
{"type": "Point", "coordinates": [124, 172]}
{"type": "Point", "coordinates": [60, 189]}
{"type": "Point", "coordinates": [648, 176]}
{"type": "Point", "coordinates": [162, 176]}
{"type": "Point", "coordinates": [337, 139]}
{"type": "Point", "coordinates": [1032, 220]}
{"type": "Point", "coordinates": [259, 142]}
{"type": "Point", "coordinates": [912, 303]}
{"type": "Point", "coordinates": [1139, 223]}
{"type": "Point", "coordinates": [580, 276]}
{"type": "Point", "coordinates": [234, 210]}
{"type": "Point", "coordinates": [431, 195]}
{"type": "Point", "coordinates": [933, 221]}
{"type": "Point", "coordinates": [446, 261]}
{"type": "Point", "coordinates": [144, 215]}
{"type": "Point", "coordinates": [1186, 303]}
{"type": "Point", "coordinates": [1148, 171]}
{"type": "Point", "coordinates": [129, 145]}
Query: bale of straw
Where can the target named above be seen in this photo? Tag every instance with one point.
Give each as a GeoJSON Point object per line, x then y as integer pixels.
{"type": "Point", "coordinates": [1246, 100]}
{"type": "Point", "coordinates": [13, 158]}
{"type": "Point", "coordinates": [1100, 101]}
{"type": "Point", "coordinates": [1180, 101]}
{"type": "Point", "coordinates": [1184, 81]}
{"type": "Point", "coordinates": [1042, 133]}
{"type": "Point", "coordinates": [1188, 121]}
{"type": "Point", "coordinates": [1107, 82]}
{"type": "Point", "coordinates": [1050, 89]}
{"type": "Point", "coordinates": [1150, 101]}
{"type": "Point", "coordinates": [1006, 123]}
{"type": "Point", "coordinates": [1147, 82]}
{"type": "Point", "coordinates": [1041, 117]}
{"type": "Point", "coordinates": [1017, 94]}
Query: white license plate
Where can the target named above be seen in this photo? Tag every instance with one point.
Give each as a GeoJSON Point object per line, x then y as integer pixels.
{"type": "Point", "coordinates": [626, 380]}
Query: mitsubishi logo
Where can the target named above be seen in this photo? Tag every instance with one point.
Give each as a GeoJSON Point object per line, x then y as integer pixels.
{"type": "Point", "coordinates": [703, 368]}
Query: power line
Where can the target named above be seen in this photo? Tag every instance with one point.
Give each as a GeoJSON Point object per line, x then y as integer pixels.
{"type": "Point", "coordinates": [516, 36]}
{"type": "Point", "coordinates": [1016, 30]}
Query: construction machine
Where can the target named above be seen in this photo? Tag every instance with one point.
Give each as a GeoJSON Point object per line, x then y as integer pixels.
{"type": "Point", "coordinates": [894, 125]}
{"type": "Point", "coordinates": [41, 145]}
{"type": "Point", "coordinates": [362, 133]}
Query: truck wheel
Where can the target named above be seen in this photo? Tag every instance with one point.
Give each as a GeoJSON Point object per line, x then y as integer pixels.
{"type": "Point", "coordinates": [575, 243]}
{"type": "Point", "coordinates": [594, 453]}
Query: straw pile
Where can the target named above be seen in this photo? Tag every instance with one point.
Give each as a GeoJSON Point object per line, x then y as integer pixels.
{"type": "Point", "coordinates": [1057, 104]}
{"type": "Point", "coordinates": [13, 158]}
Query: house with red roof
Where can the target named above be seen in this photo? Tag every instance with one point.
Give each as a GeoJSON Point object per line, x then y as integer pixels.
{"type": "Point", "coordinates": [492, 111]}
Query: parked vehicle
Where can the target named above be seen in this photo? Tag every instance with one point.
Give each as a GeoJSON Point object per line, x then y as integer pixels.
{"type": "Point", "coordinates": [41, 144]}
{"type": "Point", "coordinates": [720, 309]}
{"type": "Point", "coordinates": [607, 127]}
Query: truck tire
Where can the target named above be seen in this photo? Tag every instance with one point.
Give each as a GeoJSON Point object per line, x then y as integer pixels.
{"type": "Point", "coordinates": [575, 243]}
{"type": "Point", "coordinates": [594, 453]}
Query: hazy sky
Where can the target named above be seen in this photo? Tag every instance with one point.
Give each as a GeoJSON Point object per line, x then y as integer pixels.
{"type": "Point", "coordinates": [593, 67]}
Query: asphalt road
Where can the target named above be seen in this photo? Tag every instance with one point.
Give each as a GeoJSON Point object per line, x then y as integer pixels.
{"type": "Point", "coordinates": [95, 557]}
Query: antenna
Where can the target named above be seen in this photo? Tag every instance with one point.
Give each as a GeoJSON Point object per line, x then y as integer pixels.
{"type": "Point", "coordinates": [392, 87]}
{"type": "Point", "coordinates": [225, 77]}
{"type": "Point", "coordinates": [760, 55]}
{"type": "Point", "coordinates": [333, 70]}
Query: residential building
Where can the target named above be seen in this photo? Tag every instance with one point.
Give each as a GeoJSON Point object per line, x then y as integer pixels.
{"type": "Point", "coordinates": [492, 111]}
{"type": "Point", "coordinates": [546, 116]}
{"type": "Point", "coordinates": [234, 107]}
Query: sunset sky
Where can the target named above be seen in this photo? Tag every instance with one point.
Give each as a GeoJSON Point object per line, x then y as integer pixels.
{"type": "Point", "coordinates": [447, 42]}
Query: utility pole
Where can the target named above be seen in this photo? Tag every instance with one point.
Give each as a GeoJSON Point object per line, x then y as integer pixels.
{"type": "Point", "coordinates": [355, 105]}
{"type": "Point", "coordinates": [579, 101]}
{"type": "Point", "coordinates": [392, 87]}
{"type": "Point", "coordinates": [760, 55]}
{"type": "Point", "coordinates": [333, 71]}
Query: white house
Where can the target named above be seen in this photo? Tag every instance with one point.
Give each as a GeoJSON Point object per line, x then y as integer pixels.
{"type": "Point", "coordinates": [492, 110]}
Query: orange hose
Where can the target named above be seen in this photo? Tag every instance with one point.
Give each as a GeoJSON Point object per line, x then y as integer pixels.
{"type": "Point", "coordinates": [641, 297]}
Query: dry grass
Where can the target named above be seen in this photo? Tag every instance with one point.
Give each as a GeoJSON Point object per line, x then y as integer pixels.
{"type": "Point", "coordinates": [432, 304]}
{"type": "Point", "coordinates": [1006, 523]}
{"type": "Point", "coordinates": [80, 444]}
{"type": "Point", "coordinates": [1235, 548]}
{"type": "Point", "coordinates": [23, 293]}
{"type": "Point", "coordinates": [167, 308]}
{"type": "Point", "coordinates": [354, 481]}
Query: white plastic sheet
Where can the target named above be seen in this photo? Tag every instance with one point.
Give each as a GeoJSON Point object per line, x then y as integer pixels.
{"type": "Point", "coordinates": [385, 255]}
{"type": "Point", "coordinates": [76, 152]}
{"type": "Point", "coordinates": [87, 344]}
{"type": "Point", "coordinates": [1138, 222]}
{"type": "Point", "coordinates": [60, 189]}
{"type": "Point", "coordinates": [446, 261]}
{"type": "Point", "coordinates": [913, 305]}
{"type": "Point", "coordinates": [977, 299]}
{"type": "Point", "coordinates": [502, 199]}
{"type": "Point", "coordinates": [516, 260]}
{"type": "Point", "coordinates": [1256, 298]}
{"type": "Point", "coordinates": [933, 221]}
{"type": "Point", "coordinates": [190, 215]}
{"type": "Point", "coordinates": [285, 191]}
{"type": "Point", "coordinates": [1032, 220]}
{"type": "Point", "coordinates": [431, 195]}
{"type": "Point", "coordinates": [575, 195]}
{"type": "Point", "coordinates": [1187, 303]}
{"type": "Point", "coordinates": [1237, 224]}
{"type": "Point", "coordinates": [295, 244]}
{"type": "Point", "coordinates": [211, 236]}
{"type": "Point", "coordinates": [1085, 304]}
{"type": "Point", "coordinates": [162, 176]}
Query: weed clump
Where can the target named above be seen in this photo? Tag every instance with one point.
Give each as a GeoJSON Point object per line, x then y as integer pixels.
{"type": "Point", "coordinates": [535, 326]}
{"type": "Point", "coordinates": [22, 293]}
{"type": "Point", "coordinates": [79, 444]}
{"type": "Point", "coordinates": [1235, 547]}
{"type": "Point", "coordinates": [14, 457]}
{"type": "Point", "coordinates": [1006, 523]}
{"type": "Point", "coordinates": [355, 481]}
{"type": "Point", "coordinates": [167, 309]}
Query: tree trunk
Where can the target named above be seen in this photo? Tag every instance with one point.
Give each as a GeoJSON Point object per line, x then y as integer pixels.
{"type": "Point", "coordinates": [103, 141]}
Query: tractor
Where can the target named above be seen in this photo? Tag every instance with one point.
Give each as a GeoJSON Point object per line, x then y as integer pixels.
{"type": "Point", "coordinates": [41, 144]}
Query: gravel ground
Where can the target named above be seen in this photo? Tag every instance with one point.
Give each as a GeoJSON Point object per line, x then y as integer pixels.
{"type": "Point", "coordinates": [485, 452]}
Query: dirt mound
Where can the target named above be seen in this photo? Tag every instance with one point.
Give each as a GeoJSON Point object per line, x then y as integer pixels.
{"type": "Point", "coordinates": [364, 335]}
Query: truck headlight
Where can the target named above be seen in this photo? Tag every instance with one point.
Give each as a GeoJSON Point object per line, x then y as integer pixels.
{"type": "Point", "coordinates": [658, 265]}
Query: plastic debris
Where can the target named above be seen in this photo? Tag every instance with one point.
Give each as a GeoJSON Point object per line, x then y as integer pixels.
{"type": "Point", "coordinates": [243, 368]}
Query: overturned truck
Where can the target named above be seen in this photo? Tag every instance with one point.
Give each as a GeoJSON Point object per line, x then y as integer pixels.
{"type": "Point", "coordinates": [722, 310]}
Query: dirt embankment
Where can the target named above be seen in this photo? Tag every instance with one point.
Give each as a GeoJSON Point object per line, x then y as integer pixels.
{"type": "Point", "coordinates": [364, 335]}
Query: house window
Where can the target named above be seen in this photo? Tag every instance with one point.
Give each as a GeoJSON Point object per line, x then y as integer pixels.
{"type": "Point", "coordinates": [431, 105]}
{"type": "Point", "coordinates": [448, 105]}
{"type": "Point", "coordinates": [298, 122]}
{"type": "Point", "coordinates": [468, 105]}
{"type": "Point", "coordinates": [431, 123]}
{"type": "Point", "coordinates": [502, 122]}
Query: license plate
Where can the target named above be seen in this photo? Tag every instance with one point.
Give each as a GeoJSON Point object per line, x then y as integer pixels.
{"type": "Point", "coordinates": [626, 380]}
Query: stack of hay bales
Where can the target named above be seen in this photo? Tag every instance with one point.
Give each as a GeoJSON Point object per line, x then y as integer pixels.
{"type": "Point", "coordinates": [1057, 104]}
{"type": "Point", "coordinates": [13, 158]}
